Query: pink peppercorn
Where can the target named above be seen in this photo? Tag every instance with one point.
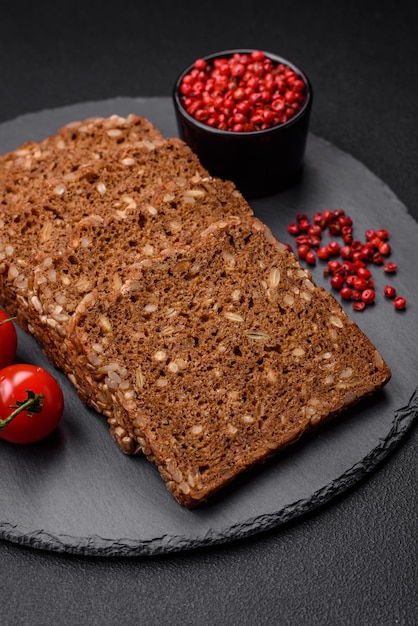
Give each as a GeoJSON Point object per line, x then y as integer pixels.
{"type": "Point", "coordinates": [351, 277]}
{"type": "Point", "coordinates": [242, 93]}
{"type": "Point", "coordinates": [322, 253]}
{"type": "Point", "coordinates": [346, 293]}
{"type": "Point", "coordinates": [337, 281]}
{"type": "Point", "coordinates": [389, 291]}
{"type": "Point", "coordinates": [390, 267]}
{"type": "Point", "coordinates": [368, 296]}
{"type": "Point", "coordinates": [399, 303]}
{"type": "Point", "coordinates": [310, 258]}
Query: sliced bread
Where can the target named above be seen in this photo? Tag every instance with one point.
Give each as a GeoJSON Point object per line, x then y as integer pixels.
{"type": "Point", "coordinates": [215, 356]}
{"type": "Point", "coordinates": [101, 250]}
{"type": "Point", "coordinates": [34, 178]}
{"type": "Point", "coordinates": [75, 144]}
{"type": "Point", "coordinates": [136, 175]}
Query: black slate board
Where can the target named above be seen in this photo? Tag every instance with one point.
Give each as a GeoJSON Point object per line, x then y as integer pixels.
{"type": "Point", "coordinates": [76, 492]}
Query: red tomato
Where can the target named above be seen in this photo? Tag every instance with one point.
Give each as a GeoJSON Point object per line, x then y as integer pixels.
{"type": "Point", "coordinates": [39, 398]}
{"type": "Point", "coordinates": [8, 340]}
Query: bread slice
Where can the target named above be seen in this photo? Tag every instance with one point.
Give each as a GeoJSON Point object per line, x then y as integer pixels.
{"type": "Point", "coordinates": [75, 144]}
{"type": "Point", "coordinates": [215, 356]}
{"type": "Point", "coordinates": [101, 249]}
{"type": "Point", "coordinates": [128, 176]}
{"type": "Point", "coordinates": [36, 178]}
{"type": "Point", "coordinates": [24, 172]}
{"type": "Point", "coordinates": [40, 216]}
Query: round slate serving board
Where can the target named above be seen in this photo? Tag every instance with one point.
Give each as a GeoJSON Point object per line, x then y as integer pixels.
{"type": "Point", "coordinates": [76, 492]}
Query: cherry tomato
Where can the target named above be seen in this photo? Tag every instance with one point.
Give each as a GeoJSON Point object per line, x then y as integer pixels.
{"type": "Point", "coordinates": [8, 340]}
{"type": "Point", "coordinates": [35, 397]}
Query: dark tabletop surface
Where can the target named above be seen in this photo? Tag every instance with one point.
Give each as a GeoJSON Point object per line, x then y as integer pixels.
{"type": "Point", "coordinates": [353, 561]}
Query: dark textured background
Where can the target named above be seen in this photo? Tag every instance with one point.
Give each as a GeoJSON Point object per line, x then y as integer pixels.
{"type": "Point", "coordinates": [353, 561]}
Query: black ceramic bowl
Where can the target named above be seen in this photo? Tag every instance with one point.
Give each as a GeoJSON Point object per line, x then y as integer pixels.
{"type": "Point", "coordinates": [259, 162]}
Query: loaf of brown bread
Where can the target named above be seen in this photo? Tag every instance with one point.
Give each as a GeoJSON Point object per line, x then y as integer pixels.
{"type": "Point", "coordinates": [214, 356]}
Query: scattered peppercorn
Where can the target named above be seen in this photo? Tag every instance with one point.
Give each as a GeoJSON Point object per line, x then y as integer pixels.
{"type": "Point", "coordinates": [310, 258]}
{"type": "Point", "coordinates": [293, 229]}
{"type": "Point", "coordinates": [337, 281]}
{"type": "Point", "coordinates": [399, 303]}
{"type": "Point", "coordinates": [346, 293]}
{"type": "Point", "coordinates": [243, 92]}
{"type": "Point", "coordinates": [389, 291]}
{"type": "Point", "coordinates": [350, 277]}
{"type": "Point", "coordinates": [323, 253]}
{"type": "Point", "coordinates": [368, 296]}
{"type": "Point", "coordinates": [390, 268]}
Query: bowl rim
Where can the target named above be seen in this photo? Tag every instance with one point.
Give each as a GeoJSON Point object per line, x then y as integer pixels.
{"type": "Point", "coordinates": [249, 133]}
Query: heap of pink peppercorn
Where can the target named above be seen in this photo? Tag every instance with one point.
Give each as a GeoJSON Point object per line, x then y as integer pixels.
{"type": "Point", "coordinates": [245, 92]}
{"type": "Point", "coordinates": [347, 264]}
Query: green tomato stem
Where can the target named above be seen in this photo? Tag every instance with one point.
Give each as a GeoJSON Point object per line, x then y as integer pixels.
{"type": "Point", "coordinates": [9, 319]}
{"type": "Point", "coordinates": [32, 404]}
